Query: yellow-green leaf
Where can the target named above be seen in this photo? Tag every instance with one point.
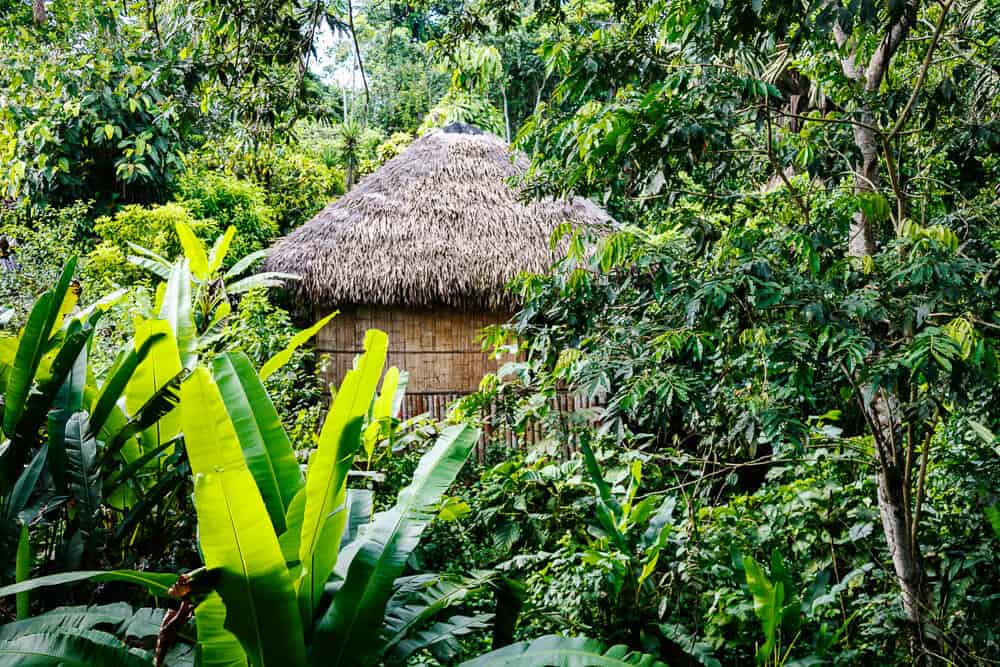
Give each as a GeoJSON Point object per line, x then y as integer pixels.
{"type": "Point", "coordinates": [194, 250]}
{"type": "Point", "coordinates": [297, 341]}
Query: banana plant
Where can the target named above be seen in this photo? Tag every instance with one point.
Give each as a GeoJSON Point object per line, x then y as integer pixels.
{"type": "Point", "coordinates": [97, 634]}
{"type": "Point", "coordinates": [67, 433]}
{"type": "Point", "coordinates": [200, 279]}
{"type": "Point", "coordinates": [306, 574]}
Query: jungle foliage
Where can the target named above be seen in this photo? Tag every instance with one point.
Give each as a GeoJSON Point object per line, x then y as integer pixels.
{"type": "Point", "coordinates": [789, 338]}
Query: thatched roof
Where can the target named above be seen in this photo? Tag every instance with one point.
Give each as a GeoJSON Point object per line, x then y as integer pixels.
{"type": "Point", "coordinates": [437, 224]}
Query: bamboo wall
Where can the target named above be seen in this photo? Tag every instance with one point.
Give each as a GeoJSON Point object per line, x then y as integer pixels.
{"type": "Point", "coordinates": [436, 346]}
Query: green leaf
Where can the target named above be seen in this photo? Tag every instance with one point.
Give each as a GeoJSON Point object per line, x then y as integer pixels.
{"type": "Point", "coordinates": [82, 473]}
{"type": "Point", "coordinates": [263, 280]}
{"type": "Point", "coordinates": [768, 599]}
{"type": "Point", "coordinates": [176, 310]}
{"type": "Point", "coordinates": [159, 365]}
{"type": "Point", "coordinates": [326, 481]}
{"type": "Point", "coordinates": [608, 511]}
{"type": "Point", "coordinates": [556, 651]}
{"type": "Point", "coordinates": [216, 647]}
{"type": "Point", "coordinates": [266, 447]}
{"type": "Point", "coordinates": [443, 638]}
{"type": "Point", "coordinates": [361, 601]}
{"type": "Point", "coordinates": [156, 583]}
{"type": "Point", "coordinates": [235, 532]}
{"type": "Point", "coordinates": [118, 378]}
{"type": "Point", "coordinates": [220, 250]}
{"type": "Point", "coordinates": [194, 250]}
{"type": "Point", "coordinates": [25, 485]}
{"type": "Point", "coordinates": [68, 400]}
{"type": "Point", "coordinates": [118, 618]}
{"type": "Point", "coordinates": [32, 345]}
{"type": "Point", "coordinates": [421, 597]}
{"type": "Point", "coordinates": [381, 410]}
{"type": "Point", "coordinates": [22, 570]}
{"type": "Point", "coordinates": [245, 263]}
{"type": "Point", "coordinates": [86, 648]}
{"type": "Point", "coordinates": [297, 341]}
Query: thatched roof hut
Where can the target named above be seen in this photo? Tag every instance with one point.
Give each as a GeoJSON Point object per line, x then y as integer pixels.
{"type": "Point", "coordinates": [423, 248]}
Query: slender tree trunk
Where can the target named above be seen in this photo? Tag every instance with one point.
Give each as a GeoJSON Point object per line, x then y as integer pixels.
{"type": "Point", "coordinates": [862, 236]}
{"type": "Point", "coordinates": [38, 11]}
{"type": "Point", "coordinates": [891, 460]}
{"type": "Point", "coordinates": [506, 113]}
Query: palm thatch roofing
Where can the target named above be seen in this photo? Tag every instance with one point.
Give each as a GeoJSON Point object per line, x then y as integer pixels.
{"type": "Point", "coordinates": [439, 224]}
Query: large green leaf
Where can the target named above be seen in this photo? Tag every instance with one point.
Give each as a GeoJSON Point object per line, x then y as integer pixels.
{"type": "Point", "coordinates": [149, 419]}
{"type": "Point", "coordinates": [194, 250]}
{"type": "Point", "coordinates": [85, 648]}
{"type": "Point", "coordinates": [68, 400]}
{"type": "Point", "coordinates": [19, 496]}
{"type": "Point", "coordinates": [118, 378]}
{"type": "Point", "coordinates": [609, 512]}
{"type": "Point", "coordinates": [297, 341]}
{"type": "Point", "coordinates": [420, 598]}
{"type": "Point", "coordinates": [22, 570]}
{"type": "Point", "coordinates": [768, 599]}
{"type": "Point", "coordinates": [556, 651]}
{"type": "Point", "coordinates": [83, 477]}
{"type": "Point", "coordinates": [360, 603]}
{"type": "Point", "coordinates": [326, 483]}
{"type": "Point", "coordinates": [156, 583]}
{"type": "Point", "coordinates": [443, 638]}
{"type": "Point", "coordinates": [177, 310]}
{"type": "Point", "coordinates": [118, 618]}
{"type": "Point", "coordinates": [266, 447]}
{"type": "Point", "coordinates": [220, 249]}
{"type": "Point", "coordinates": [161, 363]}
{"type": "Point", "coordinates": [217, 647]}
{"type": "Point", "coordinates": [31, 347]}
{"type": "Point", "coordinates": [235, 532]}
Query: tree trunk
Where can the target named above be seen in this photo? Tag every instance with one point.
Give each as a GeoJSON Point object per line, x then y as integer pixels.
{"type": "Point", "coordinates": [891, 460]}
{"type": "Point", "coordinates": [38, 11]}
{"type": "Point", "coordinates": [862, 237]}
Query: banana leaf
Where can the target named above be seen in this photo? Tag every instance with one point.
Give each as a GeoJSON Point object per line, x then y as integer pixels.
{"type": "Point", "coordinates": [68, 400]}
{"type": "Point", "coordinates": [443, 638]}
{"type": "Point", "coordinates": [194, 250]}
{"type": "Point", "coordinates": [420, 598]}
{"type": "Point", "coordinates": [340, 637]}
{"type": "Point", "coordinates": [177, 310]}
{"type": "Point", "coordinates": [19, 496]}
{"type": "Point", "coordinates": [32, 345]}
{"type": "Point", "coordinates": [266, 447]}
{"type": "Point", "coordinates": [298, 340]}
{"type": "Point", "coordinates": [22, 570]}
{"type": "Point", "coordinates": [220, 249]}
{"type": "Point", "coordinates": [118, 378]}
{"type": "Point", "coordinates": [326, 483]}
{"type": "Point", "coordinates": [235, 532]}
{"type": "Point", "coordinates": [156, 583]}
{"type": "Point", "coordinates": [216, 647]}
{"type": "Point", "coordinates": [82, 474]}
{"type": "Point", "coordinates": [556, 651]}
{"type": "Point", "coordinates": [117, 618]}
{"type": "Point", "coordinates": [85, 648]}
{"type": "Point", "coordinates": [161, 363]}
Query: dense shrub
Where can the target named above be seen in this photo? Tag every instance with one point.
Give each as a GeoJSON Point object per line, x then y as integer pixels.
{"type": "Point", "coordinates": [393, 146]}
{"type": "Point", "coordinates": [299, 185]}
{"type": "Point", "coordinates": [44, 241]}
{"type": "Point", "coordinates": [152, 227]}
{"type": "Point", "coordinates": [228, 200]}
